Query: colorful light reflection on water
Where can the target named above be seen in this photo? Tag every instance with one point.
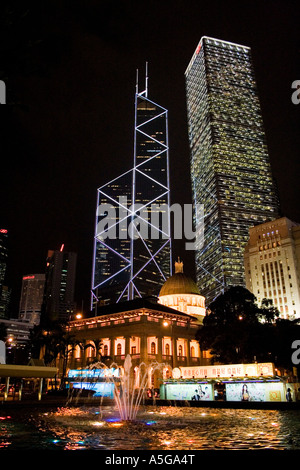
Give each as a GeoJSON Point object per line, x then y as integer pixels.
{"type": "Point", "coordinates": [157, 428]}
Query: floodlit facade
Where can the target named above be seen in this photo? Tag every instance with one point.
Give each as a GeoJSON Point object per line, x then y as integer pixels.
{"type": "Point", "coordinates": [132, 243]}
{"type": "Point", "coordinates": [230, 168]}
{"type": "Point", "coordinates": [151, 333]}
{"type": "Point", "coordinates": [272, 265]}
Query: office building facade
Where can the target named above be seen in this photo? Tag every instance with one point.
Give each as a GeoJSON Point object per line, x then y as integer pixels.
{"type": "Point", "coordinates": [32, 295]}
{"type": "Point", "coordinates": [230, 167]}
{"type": "Point", "coordinates": [272, 265]}
{"type": "Point", "coordinates": [59, 303]}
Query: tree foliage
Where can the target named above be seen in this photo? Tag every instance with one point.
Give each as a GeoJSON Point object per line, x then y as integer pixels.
{"type": "Point", "coordinates": [236, 330]}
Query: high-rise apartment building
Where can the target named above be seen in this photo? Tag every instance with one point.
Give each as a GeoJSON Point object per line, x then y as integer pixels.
{"type": "Point", "coordinates": [272, 265]}
{"type": "Point", "coordinates": [230, 167]}
{"type": "Point", "coordinates": [32, 295]}
{"type": "Point", "coordinates": [59, 303]}
{"type": "Point", "coordinates": [132, 244]}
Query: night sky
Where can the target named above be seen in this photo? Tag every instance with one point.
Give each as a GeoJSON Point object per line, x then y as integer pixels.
{"type": "Point", "coordinates": [68, 126]}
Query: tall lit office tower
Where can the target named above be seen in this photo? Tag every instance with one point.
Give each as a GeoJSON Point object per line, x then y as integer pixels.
{"type": "Point", "coordinates": [4, 289]}
{"type": "Point", "coordinates": [132, 244]}
{"type": "Point", "coordinates": [32, 294]}
{"type": "Point", "coordinates": [230, 167]}
{"type": "Point", "coordinates": [59, 304]}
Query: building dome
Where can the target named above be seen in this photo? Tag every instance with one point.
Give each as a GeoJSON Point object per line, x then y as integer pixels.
{"type": "Point", "coordinates": [181, 293]}
{"type": "Point", "coordinates": [179, 283]}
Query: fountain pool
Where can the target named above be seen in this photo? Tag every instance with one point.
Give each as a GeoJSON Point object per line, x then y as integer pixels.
{"type": "Point", "coordinates": [128, 424]}
{"type": "Point", "coordinates": [156, 428]}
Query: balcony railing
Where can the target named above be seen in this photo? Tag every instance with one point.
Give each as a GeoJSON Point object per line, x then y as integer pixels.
{"type": "Point", "coordinates": [119, 357]}
{"type": "Point", "coordinates": [181, 359]}
{"type": "Point", "coordinates": [167, 358]}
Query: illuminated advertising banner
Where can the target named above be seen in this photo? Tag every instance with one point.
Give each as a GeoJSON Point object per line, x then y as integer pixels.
{"type": "Point", "coordinates": [228, 370]}
{"type": "Point", "coordinates": [101, 389]}
{"type": "Point", "coordinates": [255, 391]}
{"type": "Point", "coordinates": [93, 373]}
{"type": "Point", "coordinates": [197, 392]}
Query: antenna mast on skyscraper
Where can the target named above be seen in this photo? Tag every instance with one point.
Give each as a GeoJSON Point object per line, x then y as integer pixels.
{"type": "Point", "coordinates": [146, 80]}
{"type": "Point", "coordinates": [145, 92]}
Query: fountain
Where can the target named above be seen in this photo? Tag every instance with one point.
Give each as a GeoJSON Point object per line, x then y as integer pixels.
{"type": "Point", "coordinates": [127, 388]}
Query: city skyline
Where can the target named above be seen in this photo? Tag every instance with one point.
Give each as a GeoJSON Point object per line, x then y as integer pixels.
{"type": "Point", "coordinates": [64, 121]}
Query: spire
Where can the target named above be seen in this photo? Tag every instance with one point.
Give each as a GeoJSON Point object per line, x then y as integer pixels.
{"type": "Point", "coordinates": [146, 80]}
{"type": "Point", "coordinates": [178, 266]}
{"type": "Point", "coordinates": [145, 92]}
{"type": "Point", "coordinates": [137, 81]}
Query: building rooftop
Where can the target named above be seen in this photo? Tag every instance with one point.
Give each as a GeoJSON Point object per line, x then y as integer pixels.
{"type": "Point", "coordinates": [149, 303]}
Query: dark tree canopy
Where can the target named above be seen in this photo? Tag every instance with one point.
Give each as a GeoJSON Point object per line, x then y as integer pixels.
{"type": "Point", "coordinates": [236, 330]}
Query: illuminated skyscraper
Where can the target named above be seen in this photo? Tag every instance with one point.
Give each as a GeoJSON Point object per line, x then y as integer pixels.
{"type": "Point", "coordinates": [230, 168]}
{"type": "Point", "coordinates": [132, 245]}
{"type": "Point", "coordinates": [32, 294]}
{"type": "Point", "coordinates": [59, 304]}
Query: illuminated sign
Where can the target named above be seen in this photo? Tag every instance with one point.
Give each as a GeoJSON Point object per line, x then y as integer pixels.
{"type": "Point", "coordinates": [193, 392]}
{"type": "Point", "coordinates": [103, 389]}
{"type": "Point", "coordinates": [255, 391]}
{"type": "Point", "coordinates": [93, 373]}
{"type": "Point", "coordinates": [28, 277]}
{"type": "Point", "coordinates": [3, 230]}
{"type": "Point", "coordinates": [227, 370]}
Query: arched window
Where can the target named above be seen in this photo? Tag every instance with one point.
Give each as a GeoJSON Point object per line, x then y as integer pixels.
{"type": "Point", "coordinates": [77, 352]}
{"type": "Point", "coordinates": [119, 349]}
{"type": "Point", "coordinates": [105, 350]}
{"type": "Point", "coordinates": [153, 348]}
{"type": "Point", "coordinates": [167, 349]}
{"type": "Point", "coordinates": [192, 351]}
{"type": "Point", "coordinates": [180, 350]}
{"type": "Point", "coordinates": [90, 350]}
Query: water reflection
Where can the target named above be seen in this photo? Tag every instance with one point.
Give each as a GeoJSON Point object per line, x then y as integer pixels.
{"type": "Point", "coordinates": [157, 428]}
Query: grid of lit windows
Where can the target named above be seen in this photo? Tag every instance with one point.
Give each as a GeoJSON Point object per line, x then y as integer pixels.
{"type": "Point", "coordinates": [230, 167]}
{"type": "Point", "coordinates": [271, 265]}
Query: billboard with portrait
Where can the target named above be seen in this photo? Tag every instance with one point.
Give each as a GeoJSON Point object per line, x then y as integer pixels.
{"type": "Point", "coordinates": [189, 391]}
{"type": "Point", "coordinates": [255, 391]}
